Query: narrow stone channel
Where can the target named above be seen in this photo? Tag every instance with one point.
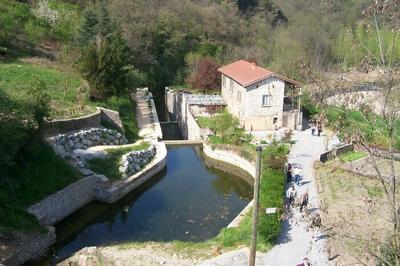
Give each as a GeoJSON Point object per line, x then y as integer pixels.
{"type": "Point", "coordinates": [189, 201]}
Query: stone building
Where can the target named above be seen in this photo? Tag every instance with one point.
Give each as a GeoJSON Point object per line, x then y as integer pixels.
{"type": "Point", "coordinates": [260, 98]}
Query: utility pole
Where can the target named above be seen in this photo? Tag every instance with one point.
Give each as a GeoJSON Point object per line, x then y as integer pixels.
{"type": "Point", "coordinates": [253, 246]}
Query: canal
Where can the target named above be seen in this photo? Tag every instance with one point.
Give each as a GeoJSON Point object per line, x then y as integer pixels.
{"type": "Point", "coordinates": [189, 201]}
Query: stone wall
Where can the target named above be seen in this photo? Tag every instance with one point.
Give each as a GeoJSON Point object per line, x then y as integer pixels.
{"type": "Point", "coordinates": [59, 205]}
{"type": "Point", "coordinates": [33, 249]}
{"type": "Point", "coordinates": [133, 161]}
{"type": "Point", "coordinates": [62, 126]}
{"type": "Point", "coordinates": [84, 139]}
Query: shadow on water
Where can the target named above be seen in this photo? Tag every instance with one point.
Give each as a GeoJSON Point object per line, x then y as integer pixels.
{"type": "Point", "coordinates": [188, 201]}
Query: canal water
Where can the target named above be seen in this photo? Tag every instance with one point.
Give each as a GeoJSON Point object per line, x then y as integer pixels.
{"type": "Point", "coordinates": [189, 201]}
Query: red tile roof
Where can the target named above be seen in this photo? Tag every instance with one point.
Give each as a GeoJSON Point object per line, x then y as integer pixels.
{"type": "Point", "coordinates": [246, 73]}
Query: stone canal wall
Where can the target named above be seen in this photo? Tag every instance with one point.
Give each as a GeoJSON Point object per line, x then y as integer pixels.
{"type": "Point", "coordinates": [59, 205]}
{"type": "Point", "coordinates": [32, 249]}
{"type": "Point", "coordinates": [236, 160]}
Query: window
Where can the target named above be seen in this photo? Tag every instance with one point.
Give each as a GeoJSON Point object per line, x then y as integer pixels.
{"type": "Point", "coordinates": [223, 81]}
{"type": "Point", "coordinates": [231, 85]}
{"type": "Point", "coordinates": [239, 96]}
{"type": "Point", "coordinates": [266, 100]}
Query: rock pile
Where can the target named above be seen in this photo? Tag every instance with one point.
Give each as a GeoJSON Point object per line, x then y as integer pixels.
{"type": "Point", "coordinates": [134, 161]}
{"type": "Point", "coordinates": [84, 139]}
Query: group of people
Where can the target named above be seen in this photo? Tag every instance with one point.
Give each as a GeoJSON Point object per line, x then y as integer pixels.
{"type": "Point", "coordinates": [316, 129]}
{"type": "Point", "coordinates": [291, 193]}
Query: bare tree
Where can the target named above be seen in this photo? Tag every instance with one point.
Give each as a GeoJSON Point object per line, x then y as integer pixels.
{"type": "Point", "coordinates": [374, 130]}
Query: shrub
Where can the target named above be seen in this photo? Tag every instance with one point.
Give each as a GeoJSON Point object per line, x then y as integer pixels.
{"type": "Point", "coordinates": [274, 155]}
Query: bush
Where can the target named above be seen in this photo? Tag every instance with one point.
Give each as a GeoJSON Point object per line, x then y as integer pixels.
{"type": "Point", "coordinates": [226, 127]}
{"type": "Point", "coordinates": [274, 155]}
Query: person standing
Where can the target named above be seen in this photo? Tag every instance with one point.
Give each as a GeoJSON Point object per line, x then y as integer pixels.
{"type": "Point", "coordinates": [289, 173]}
{"type": "Point", "coordinates": [304, 200]}
{"type": "Point", "coordinates": [319, 130]}
{"type": "Point", "coordinates": [296, 172]}
{"type": "Point", "coordinates": [291, 194]}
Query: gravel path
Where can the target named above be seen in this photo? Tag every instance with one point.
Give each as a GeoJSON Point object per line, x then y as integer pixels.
{"type": "Point", "coordinates": [296, 240]}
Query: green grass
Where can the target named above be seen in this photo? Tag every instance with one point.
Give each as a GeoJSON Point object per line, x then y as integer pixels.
{"type": "Point", "coordinates": [36, 173]}
{"type": "Point", "coordinates": [375, 192]}
{"type": "Point", "coordinates": [353, 121]}
{"type": "Point", "coordinates": [109, 166]}
{"type": "Point", "coordinates": [204, 121]}
{"type": "Point", "coordinates": [127, 112]}
{"type": "Point", "coordinates": [16, 76]}
{"type": "Point", "coordinates": [352, 156]}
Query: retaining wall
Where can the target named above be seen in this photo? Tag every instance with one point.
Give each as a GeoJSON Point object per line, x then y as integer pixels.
{"type": "Point", "coordinates": [33, 249]}
{"type": "Point", "coordinates": [61, 126]}
{"type": "Point", "coordinates": [331, 154]}
{"type": "Point", "coordinates": [236, 160]}
{"type": "Point", "coordinates": [59, 205]}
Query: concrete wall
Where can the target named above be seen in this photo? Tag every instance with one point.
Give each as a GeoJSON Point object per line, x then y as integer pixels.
{"type": "Point", "coordinates": [33, 249]}
{"type": "Point", "coordinates": [157, 127]}
{"type": "Point", "coordinates": [229, 157]}
{"type": "Point", "coordinates": [59, 205]}
{"type": "Point", "coordinates": [179, 109]}
{"type": "Point", "coordinates": [112, 117]}
{"type": "Point", "coordinates": [62, 126]}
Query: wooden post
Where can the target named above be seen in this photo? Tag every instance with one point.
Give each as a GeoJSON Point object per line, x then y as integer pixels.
{"type": "Point", "coordinates": [253, 246]}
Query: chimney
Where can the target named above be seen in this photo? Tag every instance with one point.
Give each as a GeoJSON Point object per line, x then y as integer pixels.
{"type": "Point", "coordinates": [253, 64]}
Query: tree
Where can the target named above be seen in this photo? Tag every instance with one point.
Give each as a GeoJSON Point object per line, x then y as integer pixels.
{"type": "Point", "coordinates": [40, 101]}
{"type": "Point", "coordinates": [206, 77]}
{"type": "Point", "coordinates": [105, 66]}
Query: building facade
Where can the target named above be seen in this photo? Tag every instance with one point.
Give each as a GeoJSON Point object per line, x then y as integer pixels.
{"type": "Point", "coordinates": [261, 99]}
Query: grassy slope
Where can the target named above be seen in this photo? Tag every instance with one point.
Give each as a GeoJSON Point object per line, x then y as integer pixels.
{"type": "Point", "coordinates": [37, 173]}
{"type": "Point", "coordinates": [15, 77]}
{"type": "Point", "coordinates": [109, 166]}
{"type": "Point", "coordinates": [356, 121]}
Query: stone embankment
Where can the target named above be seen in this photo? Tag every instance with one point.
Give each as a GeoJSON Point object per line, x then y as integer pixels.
{"type": "Point", "coordinates": [134, 161]}
{"type": "Point", "coordinates": [83, 139]}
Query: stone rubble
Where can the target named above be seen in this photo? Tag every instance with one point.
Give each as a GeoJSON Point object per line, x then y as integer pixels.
{"type": "Point", "coordinates": [134, 161]}
{"type": "Point", "coordinates": [83, 139]}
